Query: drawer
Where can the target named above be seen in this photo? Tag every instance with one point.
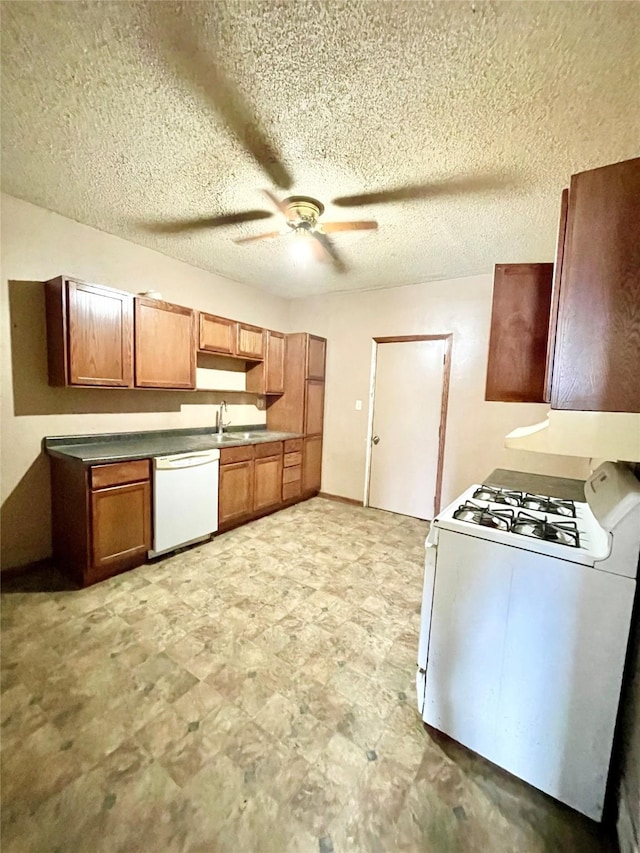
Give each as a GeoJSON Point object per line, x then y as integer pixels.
{"type": "Point", "coordinates": [292, 445]}
{"type": "Point", "coordinates": [291, 459]}
{"type": "Point", "coordinates": [118, 473]}
{"type": "Point", "coordinates": [291, 490]}
{"type": "Point", "coordinates": [236, 454]}
{"type": "Point", "coordinates": [269, 448]}
{"type": "Point", "coordinates": [290, 475]}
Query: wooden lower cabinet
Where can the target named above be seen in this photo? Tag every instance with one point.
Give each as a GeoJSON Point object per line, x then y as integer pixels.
{"type": "Point", "coordinates": [235, 499]}
{"type": "Point", "coordinates": [267, 482]}
{"type": "Point", "coordinates": [120, 527]}
{"type": "Point", "coordinates": [101, 517]}
{"type": "Point", "coordinates": [312, 464]}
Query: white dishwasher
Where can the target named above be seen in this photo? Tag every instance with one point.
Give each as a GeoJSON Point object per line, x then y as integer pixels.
{"type": "Point", "coordinates": [185, 499]}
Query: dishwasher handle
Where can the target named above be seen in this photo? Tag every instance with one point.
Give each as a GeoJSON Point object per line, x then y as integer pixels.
{"type": "Point", "coordinates": [185, 460]}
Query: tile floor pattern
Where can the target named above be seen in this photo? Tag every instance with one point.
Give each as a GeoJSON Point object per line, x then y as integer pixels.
{"type": "Point", "coordinates": [255, 693]}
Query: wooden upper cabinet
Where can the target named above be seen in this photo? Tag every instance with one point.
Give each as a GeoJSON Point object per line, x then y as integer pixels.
{"type": "Point", "coordinates": [555, 295]}
{"type": "Point", "coordinates": [316, 355]}
{"type": "Point", "coordinates": [216, 334]}
{"type": "Point", "coordinates": [519, 332]}
{"type": "Point", "coordinates": [314, 407]}
{"type": "Point", "coordinates": [90, 334]}
{"type": "Point", "coordinates": [165, 345]}
{"type": "Point", "coordinates": [596, 361]}
{"type": "Point", "coordinates": [274, 363]}
{"type": "Point", "coordinates": [267, 377]}
{"type": "Point", "coordinates": [250, 341]}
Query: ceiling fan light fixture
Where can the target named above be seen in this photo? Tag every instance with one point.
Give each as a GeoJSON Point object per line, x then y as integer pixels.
{"type": "Point", "coordinates": [302, 246]}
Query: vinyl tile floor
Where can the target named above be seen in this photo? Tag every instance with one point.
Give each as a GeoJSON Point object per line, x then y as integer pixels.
{"type": "Point", "coordinates": [255, 693]}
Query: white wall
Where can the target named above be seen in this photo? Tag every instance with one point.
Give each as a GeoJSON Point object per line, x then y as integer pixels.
{"type": "Point", "coordinates": [38, 245]}
{"type": "Point", "coordinates": [475, 428]}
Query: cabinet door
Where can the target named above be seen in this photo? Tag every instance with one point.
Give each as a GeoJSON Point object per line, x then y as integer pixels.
{"type": "Point", "coordinates": [274, 368]}
{"type": "Point", "coordinates": [597, 349]}
{"type": "Point", "coordinates": [267, 482]}
{"type": "Point", "coordinates": [314, 409]}
{"type": "Point", "coordinates": [120, 528]}
{"type": "Point", "coordinates": [165, 345]}
{"type": "Point", "coordinates": [217, 334]}
{"type": "Point", "coordinates": [519, 332]}
{"type": "Point", "coordinates": [316, 353]}
{"type": "Point", "coordinates": [312, 464]}
{"type": "Point", "coordinates": [236, 491]}
{"type": "Point", "coordinates": [250, 342]}
{"type": "Point", "coordinates": [100, 335]}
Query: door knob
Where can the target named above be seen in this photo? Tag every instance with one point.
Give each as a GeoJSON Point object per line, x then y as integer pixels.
{"type": "Point", "coordinates": [376, 439]}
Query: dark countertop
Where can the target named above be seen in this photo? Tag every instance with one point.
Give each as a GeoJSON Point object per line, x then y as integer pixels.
{"type": "Point", "coordinates": [120, 447]}
{"type": "Point", "coordinates": [539, 484]}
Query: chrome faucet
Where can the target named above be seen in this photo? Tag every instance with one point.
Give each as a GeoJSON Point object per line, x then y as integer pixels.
{"type": "Point", "coordinates": [221, 423]}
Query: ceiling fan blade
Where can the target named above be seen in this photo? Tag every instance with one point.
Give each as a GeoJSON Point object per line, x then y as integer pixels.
{"type": "Point", "coordinates": [363, 225]}
{"type": "Point", "coordinates": [181, 226]}
{"type": "Point", "coordinates": [452, 186]}
{"type": "Point", "coordinates": [194, 61]}
{"type": "Point", "coordinates": [327, 244]}
{"type": "Point", "coordinates": [284, 210]}
{"type": "Point", "coordinates": [268, 236]}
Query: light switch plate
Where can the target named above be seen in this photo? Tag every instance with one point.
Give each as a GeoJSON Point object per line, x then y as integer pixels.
{"type": "Point", "coordinates": [358, 405]}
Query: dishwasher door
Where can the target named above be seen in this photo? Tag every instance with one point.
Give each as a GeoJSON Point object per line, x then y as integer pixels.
{"type": "Point", "coordinates": [185, 499]}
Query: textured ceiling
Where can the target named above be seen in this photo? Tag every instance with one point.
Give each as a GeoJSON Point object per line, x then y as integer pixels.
{"type": "Point", "coordinates": [111, 115]}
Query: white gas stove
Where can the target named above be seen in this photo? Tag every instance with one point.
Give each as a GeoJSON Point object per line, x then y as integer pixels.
{"type": "Point", "coordinates": [525, 621]}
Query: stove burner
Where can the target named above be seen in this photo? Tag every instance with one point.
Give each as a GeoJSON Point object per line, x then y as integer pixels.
{"type": "Point", "coordinates": [562, 532]}
{"type": "Point", "coordinates": [556, 506]}
{"type": "Point", "coordinates": [499, 519]}
{"type": "Point", "coordinates": [498, 496]}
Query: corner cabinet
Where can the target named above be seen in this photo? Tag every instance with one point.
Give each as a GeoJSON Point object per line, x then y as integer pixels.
{"type": "Point", "coordinates": [596, 352]}
{"type": "Point", "coordinates": [164, 345]}
{"type": "Point", "coordinates": [89, 334]}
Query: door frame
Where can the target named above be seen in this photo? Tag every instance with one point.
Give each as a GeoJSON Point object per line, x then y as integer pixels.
{"type": "Point", "coordinates": [446, 375]}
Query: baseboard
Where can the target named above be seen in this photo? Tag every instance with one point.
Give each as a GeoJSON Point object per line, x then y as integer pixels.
{"type": "Point", "coordinates": [12, 572]}
{"type": "Point", "coordinates": [340, 499]}
{"type": "Point", "coordinates": [628, 841]}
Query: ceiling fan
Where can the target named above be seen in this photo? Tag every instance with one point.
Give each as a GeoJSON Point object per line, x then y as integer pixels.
{"type": "Point", "coordinates": [179, 40]}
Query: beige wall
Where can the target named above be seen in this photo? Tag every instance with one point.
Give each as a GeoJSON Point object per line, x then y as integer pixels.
{"type": "Point", "coordinates": [38, 245]}
{"type": "Point", "coordinates": [475, 429]}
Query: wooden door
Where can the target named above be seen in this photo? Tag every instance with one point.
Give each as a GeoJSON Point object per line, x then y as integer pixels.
{"type": "Point", "coordinates": [267, 482]}
{"type": "Point", "coordinates": [407, 418]}
{"type": "Point", "coordinates": [236, 491]}
{"type": "Point", "coordinates": [165, 345]}
{"type": "Point", "coordinates": [250, 341]}
{"type": "Point", "coordinates": [519, 332]}
{"type": "Point", "coordinates": [597, 350]}
{"type": "Point", "coordinates": [217, 334]}
{"type": "Point", "coordinates": [312, 464]}
{"type": "Point", "coordinates": [314, 408]}
{"type": "Point", "coordinates": [100, 335]}
{"type": "Point", "coordinates": [274, 367]}
{"type": "Point", "coordinates": [316, 354]}
{"type": "Point", "coordinates": [120, 527]}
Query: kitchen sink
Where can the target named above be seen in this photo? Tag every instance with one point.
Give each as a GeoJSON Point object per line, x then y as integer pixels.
{"type": "Point", "coordinates": [221, 439]}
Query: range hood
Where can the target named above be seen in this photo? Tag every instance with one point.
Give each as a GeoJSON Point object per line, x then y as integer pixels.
{"type": "Point", "coordinates": [593, 435]}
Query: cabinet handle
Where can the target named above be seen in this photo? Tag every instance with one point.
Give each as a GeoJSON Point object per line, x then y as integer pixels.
{"type": "Point", "coordinates": [376, 439]}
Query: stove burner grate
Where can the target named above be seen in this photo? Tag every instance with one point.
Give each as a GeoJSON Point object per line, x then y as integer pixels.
{"type": "Point", "coordinates": [562, 532]}
{"type": "Point", "coordinates": [498, 496]}
{"type": "Point", "coordinates": [499, 519]}
{"type": "Point", "coordinates": [555, 506]}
